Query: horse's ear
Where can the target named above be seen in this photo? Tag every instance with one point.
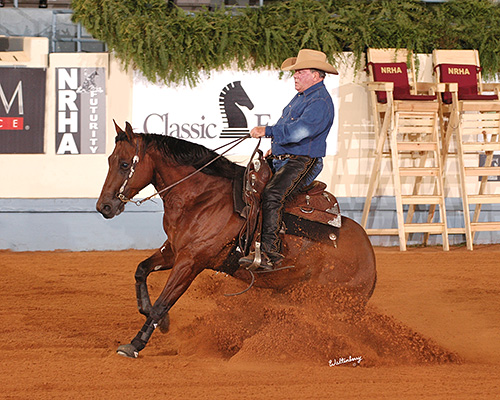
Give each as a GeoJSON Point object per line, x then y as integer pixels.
{"type": "Point", "coordinates": [130, 133]}
{"type": "Point", "coordinates": [117, 128]}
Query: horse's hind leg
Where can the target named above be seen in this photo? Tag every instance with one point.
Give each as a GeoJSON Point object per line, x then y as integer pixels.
{"type": "Point", "coordinates": [162, 259]}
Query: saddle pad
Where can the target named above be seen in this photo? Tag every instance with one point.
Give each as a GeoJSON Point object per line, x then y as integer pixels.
{"type": "Point", "coordinates": [315, 231]}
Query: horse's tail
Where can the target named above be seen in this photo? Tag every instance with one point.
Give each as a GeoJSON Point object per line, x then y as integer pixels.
{"type": "Point", "coordinates": [370, 293]}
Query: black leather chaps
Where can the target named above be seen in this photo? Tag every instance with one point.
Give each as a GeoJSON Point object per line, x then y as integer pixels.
{"type": "Point", "coordinates": [288, 180]}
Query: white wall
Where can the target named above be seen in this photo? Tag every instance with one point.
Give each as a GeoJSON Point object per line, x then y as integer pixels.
{"type": "Point", "coordinates": [61, 176]}
{"type": "Point", "coordinates": [81, 176]}
{"type": "Point", "coordinates": [42, 190]}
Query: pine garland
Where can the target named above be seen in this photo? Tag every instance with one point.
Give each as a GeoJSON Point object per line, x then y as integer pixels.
{"type": "Point", "coordinates": [171, 45]}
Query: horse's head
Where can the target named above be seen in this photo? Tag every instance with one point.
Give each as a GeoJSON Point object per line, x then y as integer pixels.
{"type": "Point", "coordinates": [130, 170]}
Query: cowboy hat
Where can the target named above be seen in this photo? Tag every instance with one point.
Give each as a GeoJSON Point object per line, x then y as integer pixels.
{"type": "Point", "coordinates": [308, 59]}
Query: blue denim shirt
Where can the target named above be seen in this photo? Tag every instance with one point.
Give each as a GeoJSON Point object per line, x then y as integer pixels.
{"type": "Point", "coordinates": [304, 124]}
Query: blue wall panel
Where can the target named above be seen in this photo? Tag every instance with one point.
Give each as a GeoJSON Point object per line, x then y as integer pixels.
{"type": "Point", "coordinates": [75, 225]}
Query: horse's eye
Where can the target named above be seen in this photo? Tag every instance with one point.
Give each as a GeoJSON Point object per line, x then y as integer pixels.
{"type": "Point", "coordinates": [124, 165]}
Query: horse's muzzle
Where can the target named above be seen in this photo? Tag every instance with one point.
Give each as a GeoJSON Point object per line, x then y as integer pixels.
{"type": "Point", "coordinates": [110, 209]}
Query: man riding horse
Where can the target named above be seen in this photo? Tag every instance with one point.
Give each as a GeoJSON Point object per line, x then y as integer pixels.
{"type": "Point", "coordinates": [298, 145]}
{"type": "Point", "coordinates": [197, 188]}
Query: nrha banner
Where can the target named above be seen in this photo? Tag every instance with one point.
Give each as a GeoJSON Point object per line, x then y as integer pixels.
{"type": "Point", "coordinates": [81, 111]}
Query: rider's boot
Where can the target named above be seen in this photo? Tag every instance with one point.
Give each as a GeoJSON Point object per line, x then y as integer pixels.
{"type": "Point", "coordinates": [268, 260]}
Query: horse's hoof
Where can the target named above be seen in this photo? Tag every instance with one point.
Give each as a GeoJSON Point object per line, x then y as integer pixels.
{"type": "Point", "coordinates": [127, 350]}
{"type": "Point", "coordinates": [164, 324]}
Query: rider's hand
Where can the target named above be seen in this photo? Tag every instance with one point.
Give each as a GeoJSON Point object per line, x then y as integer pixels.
{"type": "Point", "coordinates": [258, 131]}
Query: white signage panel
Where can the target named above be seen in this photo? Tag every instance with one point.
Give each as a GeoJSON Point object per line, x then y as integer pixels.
{"type": "Point", "coordinates": [224, 106]}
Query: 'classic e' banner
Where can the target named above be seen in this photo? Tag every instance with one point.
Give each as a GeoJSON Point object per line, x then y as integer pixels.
{"type": "Point", "coordinates": [223, 106]}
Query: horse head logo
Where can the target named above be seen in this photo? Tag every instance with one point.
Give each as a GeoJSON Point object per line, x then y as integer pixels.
{"type": "Point", "coordinates": [89, 84]}
{"type": "Point", "coordinates": [231, 99]}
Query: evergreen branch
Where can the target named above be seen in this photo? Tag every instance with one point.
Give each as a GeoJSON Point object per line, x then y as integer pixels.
{"type": "Point", "coordinates": [169, 44]}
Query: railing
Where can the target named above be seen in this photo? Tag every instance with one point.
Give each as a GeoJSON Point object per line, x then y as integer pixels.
{"type": "Point", "coordinates": [36, 3]}
{"type": "Point", "coordinates": [185, 4]}
{"type": "Point", "coordinates": [78, 40]}
{"type": "Point", "coordinates": [83, 42]}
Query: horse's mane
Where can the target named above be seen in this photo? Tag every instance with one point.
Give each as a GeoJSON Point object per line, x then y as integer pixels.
{"type": "Point", "coordinates": [184, 152]}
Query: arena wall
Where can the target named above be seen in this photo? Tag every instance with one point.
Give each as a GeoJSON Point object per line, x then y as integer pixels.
{"type": "Point", "coordinates": [47, 201]}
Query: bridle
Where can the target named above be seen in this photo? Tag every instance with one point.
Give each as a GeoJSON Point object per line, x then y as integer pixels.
{"type": "Point", "coordinates": [135, 161]}
{"type": "Point", "coordinates": [120, 194]}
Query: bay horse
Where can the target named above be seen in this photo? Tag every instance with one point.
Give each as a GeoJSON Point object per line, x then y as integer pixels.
{"type": "Point", "coordinates": [202, 228]}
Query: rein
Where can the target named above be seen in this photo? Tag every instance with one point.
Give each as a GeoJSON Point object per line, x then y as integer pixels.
{"type": "Point", "coordinates": [135, 161]}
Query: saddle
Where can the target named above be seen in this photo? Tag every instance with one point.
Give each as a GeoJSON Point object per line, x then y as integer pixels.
{"type": "Point", "coordinates": [313, 212]}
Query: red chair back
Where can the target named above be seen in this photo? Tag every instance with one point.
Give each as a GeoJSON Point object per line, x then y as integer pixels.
{"type": "Point", "coordinates": [398, 74]}
{"type": "Point", "coordinates": [466, 77]}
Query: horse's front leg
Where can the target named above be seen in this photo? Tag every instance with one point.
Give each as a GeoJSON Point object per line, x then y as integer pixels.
{"type": "Point", "coordinates": [182, 275]}
{"type": "Point", "coordinates": [162, 259]}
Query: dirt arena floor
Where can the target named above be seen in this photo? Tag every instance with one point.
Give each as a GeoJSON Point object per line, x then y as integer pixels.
{"type": "Point", "coordinates": [431, 331]}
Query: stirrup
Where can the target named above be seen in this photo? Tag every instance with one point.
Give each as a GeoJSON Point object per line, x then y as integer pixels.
{"type": "Point", "coordinates": [255, 260]}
